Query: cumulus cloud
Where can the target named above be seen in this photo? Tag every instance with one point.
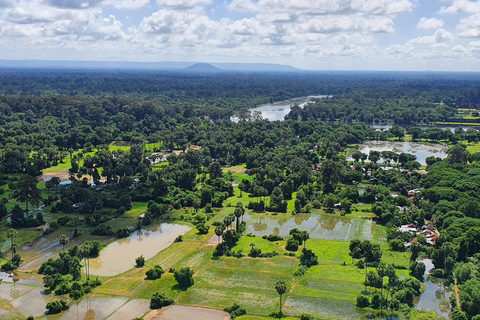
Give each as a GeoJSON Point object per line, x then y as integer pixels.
{"type": "Point", "coordinates": [432, 23]}
{"type": "Point", "coordinates": [128, 4]}
{"type": "Point", "coordinates": [469, 27]}
{"type": "Point", "coordinates": [182, 4]}
{"type": "Point", "coordinates": [397, 49]}
{"type": "Point", "coordinates": [440, 36]}
{"type": "Point", "coordinates": [461, 6]}
{"type": "Point", "coordinates": [74, 4]}
{"type": "Point", "coordinates": [315, 7]}
{"type": "Point", "coordinates": [339, 23]}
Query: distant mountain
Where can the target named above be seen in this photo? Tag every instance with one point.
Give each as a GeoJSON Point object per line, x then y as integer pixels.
{"type": "Point", "coordinates": [134, 65]}
{"type": "Point", "coordinates": [203, 67]}
{"type": "Point", "coordinates": [256, 67]}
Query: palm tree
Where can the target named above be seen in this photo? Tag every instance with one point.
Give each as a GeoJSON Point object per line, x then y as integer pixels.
{"type": "Point", "coordinates": [63, 241]}
{"type": "Point", "coordinates": [219, 233]}
{"type": "Point", "coordinates": [75, 266]}
{"type": "Point", "coordinates": [10, 234]}
{"type": "Point", "coordinates": [14, 247]}
{"type": "Point", "coordinates": [238, 213]}
{"type": "Point", "coordinates": [366, 247]}
{"type": "Point", "coordinates": [382, 272]}
{"type": "Point", "coordinates": [86, 248]}
{"type": "Point", "coordinates": [281, 288]}
{"type": "Point", "coordinates": [305, 237]}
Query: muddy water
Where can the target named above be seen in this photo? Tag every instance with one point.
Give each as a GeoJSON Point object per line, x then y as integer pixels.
{"type": "Point", "coordinates": [420, 149]}
{"type": "Point", "coordinates": [319, 226]}
{"type": "Point", "coordinates": [436, 296]}
{"type": "Point", "coordinates": [119, 256]}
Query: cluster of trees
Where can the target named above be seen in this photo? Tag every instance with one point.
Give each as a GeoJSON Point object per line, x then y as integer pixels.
{"type": "Point", "coordinates": [61, 275]}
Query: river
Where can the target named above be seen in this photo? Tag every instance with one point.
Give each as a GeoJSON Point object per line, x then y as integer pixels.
{"type": "Point", "coordinates": [278, 110]}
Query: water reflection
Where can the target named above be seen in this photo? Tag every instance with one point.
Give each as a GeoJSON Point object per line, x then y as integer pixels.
{"type": "Point", "coordinates": [119, 256]}
{"type": "Point", "coordinates": [277, 112]}
{"type": "Point", "coordinates": [421, 150]}
{"type": "Point", "coordinates": [319, 226]}
{"type": "Point", "coordinates": [436, 296]}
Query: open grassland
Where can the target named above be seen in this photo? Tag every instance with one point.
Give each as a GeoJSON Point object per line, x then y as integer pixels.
{"type": "Point", "coordinates": [119, 145]}
{"type": "Point", "coordinates": [137, 209]}
{"type": "Point", "coordinates": [473, 147]}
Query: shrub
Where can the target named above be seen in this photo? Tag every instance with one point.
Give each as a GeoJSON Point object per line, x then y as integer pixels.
{"type": "Point", "coordinates": [305, 316]}
{"type": "Point", "coordinates": [56, 306]}
{"type": "Point", "coordinates": [273, 238]}
{"type": "Point", "coordinates": [301, 270]}
{"type": "Point", "coordinates": [155, 273]}
{"type": "Point", "coordinates": [255, 252]}
{"type": "Point", "coordinates": [178, 239]}
{"type": "Point", "coordinates": [122, 233]}
{"type": "Point", "coordinates": [362, 301]}
{"type": "Point", "coordinates": [292, 244]}
{"type": "Point", "coordinates": [202, 228]}
{"type": "Point", "coordinates": [12, 264]}
{"type": "Point", "coordinates": [159, 300]}
{"type": "Point", "coordinates": [184, 277]}
{"type": "Point", "coordinates": [308, 258]}
{"type": "Point", "coordinates": [235, 311]}
{"type": "Point", "coordinates": [140, 261]}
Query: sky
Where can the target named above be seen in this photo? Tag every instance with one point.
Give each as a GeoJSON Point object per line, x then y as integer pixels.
{"type": "Point", "coordinates": [405, 35]}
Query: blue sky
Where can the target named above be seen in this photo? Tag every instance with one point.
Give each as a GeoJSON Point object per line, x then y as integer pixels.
{"type": "Point", "coordinates": [309, 34]}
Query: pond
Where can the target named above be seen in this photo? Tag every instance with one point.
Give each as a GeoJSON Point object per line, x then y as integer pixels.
{"type": "Point", "coordinates": [422, 150]}
{"type": "Point", "coordinates": [452, 128]}
{"type": "Point", "coordinates": [119, 256]}
{"type": "Point", "coordinates": [278, 111]}
{"type": "Point", "coordinates": [318, 226]}
{"type": "Point", "coordinates": [436, 296]}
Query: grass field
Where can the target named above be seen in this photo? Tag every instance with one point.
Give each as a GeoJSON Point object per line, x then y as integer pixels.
{"type": "Point", "coordinates": [137, 209]}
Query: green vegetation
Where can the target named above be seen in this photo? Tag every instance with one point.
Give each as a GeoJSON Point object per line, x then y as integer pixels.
{"type": "Point", "coordinates": [123, 158]}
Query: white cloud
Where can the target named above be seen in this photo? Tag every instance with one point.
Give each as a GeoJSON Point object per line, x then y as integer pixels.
{"type": "Point", "coordinates": [182, 4]}
{"type": "Point", "coordinates": [461, 6]}
{"type": "Point", "coordinates": [431, 23]}
{"type": "Point", "coordinates": [318, 7]}
{"type": "Point", "coordinates": [128, 4]}
{"type": "Point", "coordinates": [74, 4]}
{"type": "Point", "coordinates": [440, 36]}
{"type": "Point", "coordinates": [399, 50]}
{"type": "Point", "coordinates": [469, 27]}
{"type": "Point", "coordinates": [339, 23]}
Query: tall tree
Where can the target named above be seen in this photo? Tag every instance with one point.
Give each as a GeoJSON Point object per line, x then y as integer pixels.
{"type": "Point", "coordinates": [239, 211]}
{"type": "Point", "coordinates": [63, 241]}
{"type": "Point", "coordinates": [11, 233]}
{"type": "Point", "coordinates": [26, 191]}
{"type": "Point", "coordinates": [281, 288]}
{"type": "Point", "coordinates": [219, 232]}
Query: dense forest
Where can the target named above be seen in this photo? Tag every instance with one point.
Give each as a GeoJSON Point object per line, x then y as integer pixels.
{"type": "Point", "coordinates": [49, 119]}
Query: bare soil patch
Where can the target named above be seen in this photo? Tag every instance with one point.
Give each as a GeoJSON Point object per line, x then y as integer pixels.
{"type": "Point", "coordinates": [184, 312]}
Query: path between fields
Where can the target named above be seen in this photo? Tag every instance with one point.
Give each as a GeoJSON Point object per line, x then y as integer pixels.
{"type": "Point", "coordinates": [178, 312]}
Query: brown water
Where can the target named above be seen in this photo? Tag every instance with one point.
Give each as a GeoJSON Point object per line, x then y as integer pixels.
{"type": "Point", "coordinates": [119, 256]}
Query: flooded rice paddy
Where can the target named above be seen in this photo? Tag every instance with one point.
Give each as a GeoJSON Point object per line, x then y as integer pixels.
{"type": "Point", "coordinates": [420, 149]}
{"type": "Point", "coordinates": [436, 296]}
{"type": "Point", "coordinates": [119, 256]}
{"type": "Point", "coordinates": [31, 301]}
{"type": "Point", "coordinates": [318, 226]}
